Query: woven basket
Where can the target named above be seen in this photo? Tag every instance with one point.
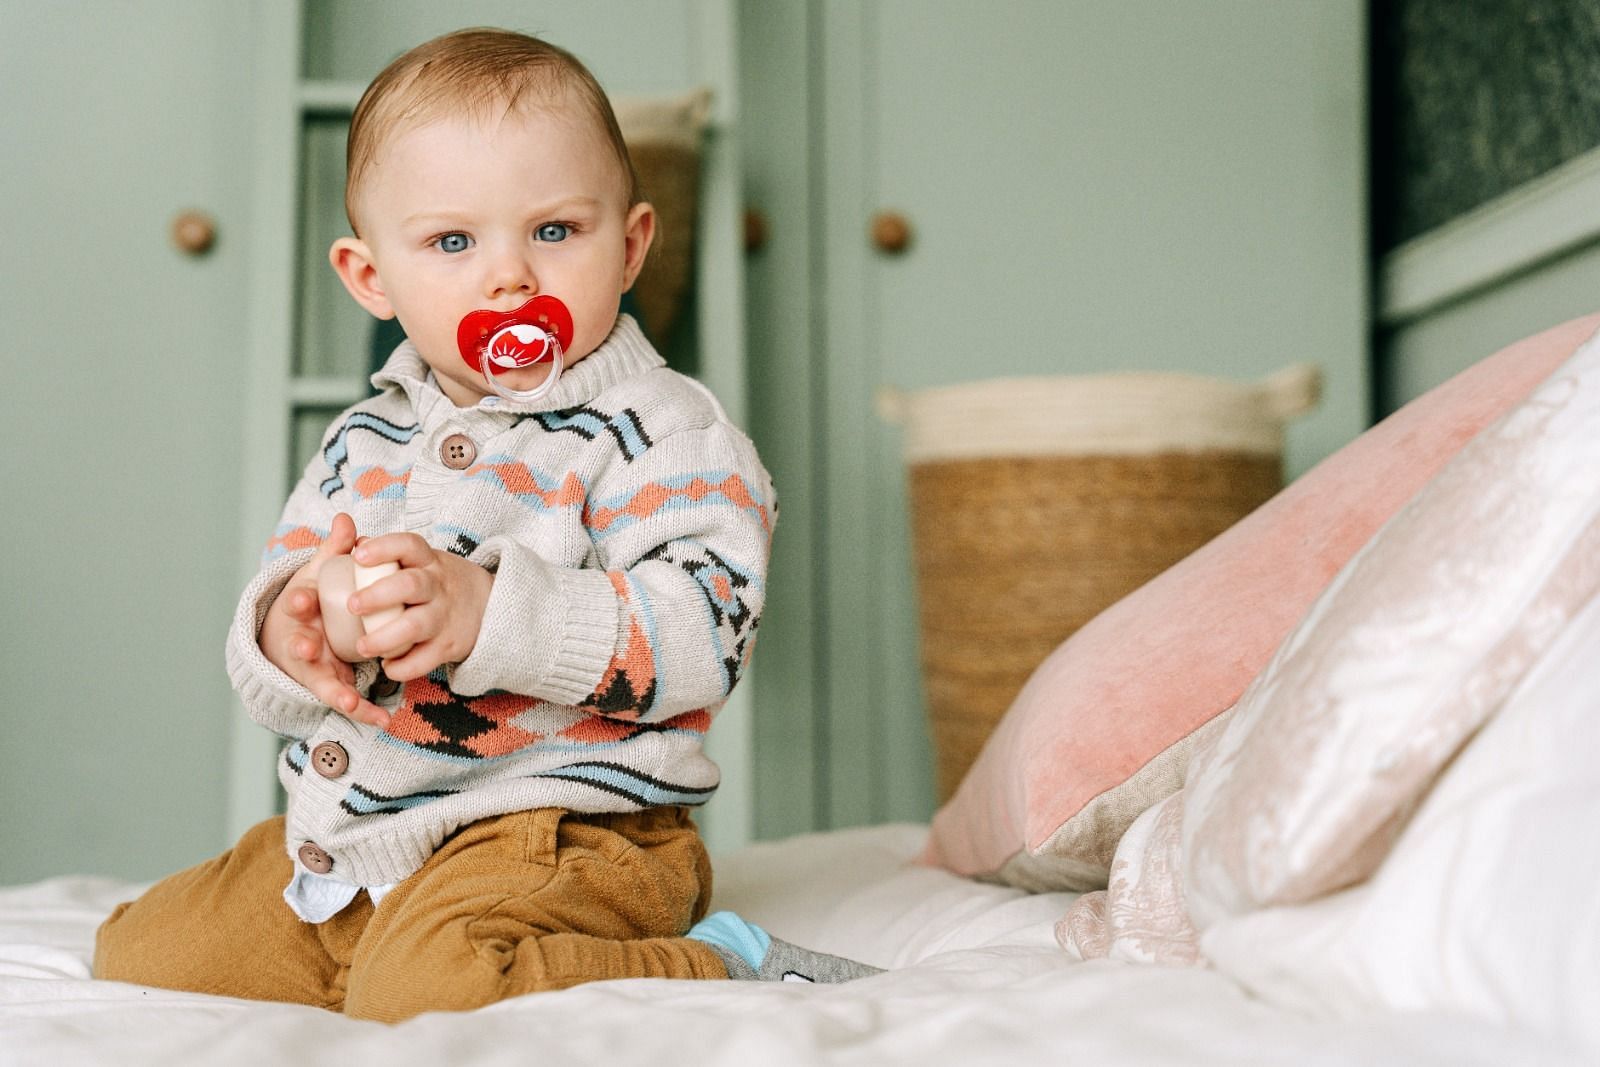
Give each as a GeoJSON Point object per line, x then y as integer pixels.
{"type": "Point", "coordinates": [1036, 503]}
{"type": "Point", "coordinates": [664, 137]}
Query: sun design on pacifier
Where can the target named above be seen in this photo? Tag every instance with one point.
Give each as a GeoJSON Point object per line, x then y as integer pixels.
{"type": "Point", "coordinates": [494, 342]}
{"type": "Point", "coordinates": [519, 345]}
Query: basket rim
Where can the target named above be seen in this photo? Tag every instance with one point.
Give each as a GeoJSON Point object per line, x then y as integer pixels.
{"type": "Point", "coordinates": [1131, 412]}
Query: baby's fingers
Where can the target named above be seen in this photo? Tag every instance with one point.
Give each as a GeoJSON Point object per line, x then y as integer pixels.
{"type": "Point", "coordinates": [300, 601]}
{"type": "Point", "coordinates": [418, 661]}
{"type": "Point", "coordinates": [343, 698]}
{"type": "Point", "coordinates": [304, 647]}
{"type": "Point", "coordinates": [390, 593]}
{"type": "Point", "coordinates": [341, 537]}
{"type": "Point", "coordinates": [406, 549]}
{"type": "Point", "coordinates": [395, 638]}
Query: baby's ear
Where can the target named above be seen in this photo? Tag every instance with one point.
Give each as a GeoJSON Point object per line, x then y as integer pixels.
{"type": "Point", "coordinates": [640, 231]}
{"type": "Point", "coordinates": [352, 262]}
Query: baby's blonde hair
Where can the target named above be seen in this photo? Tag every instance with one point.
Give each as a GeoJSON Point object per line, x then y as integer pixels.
{"type": "Point", "coordinates": [473, 71]}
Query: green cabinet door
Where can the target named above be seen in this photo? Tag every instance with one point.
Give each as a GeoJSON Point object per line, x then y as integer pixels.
{"type": "Point", "coordinates": [124, 371]}
{"type": "Point", "coordinates": [1089, 187]}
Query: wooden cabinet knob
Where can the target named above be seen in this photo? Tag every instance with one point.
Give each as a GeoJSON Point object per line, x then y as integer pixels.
{"type": "Point", "coordinates": [891, 232]}
{"type": "Point", "coordinates": [755, 230]}
{"type": "Point", "coordinates": [194, 232]}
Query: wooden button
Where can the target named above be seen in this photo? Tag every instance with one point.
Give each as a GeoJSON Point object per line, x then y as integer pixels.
{"type": "Point", "coordinates": [314, 858]}
{"type": "Point", "coordinates": [330, 759]}
{"type": "Point", "coordinates": [384, 687]}
{"type": "Point", "coordinates": [457, 451]}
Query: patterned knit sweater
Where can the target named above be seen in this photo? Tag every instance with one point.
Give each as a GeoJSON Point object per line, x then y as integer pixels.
{"type": "Point", "coordinates": [627, 524]}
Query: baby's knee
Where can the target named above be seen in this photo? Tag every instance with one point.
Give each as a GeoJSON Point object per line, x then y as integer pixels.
{"type": "Point", "coordinates": [124, 949]}
{"type": "Point", "coordinates": [459, 964]}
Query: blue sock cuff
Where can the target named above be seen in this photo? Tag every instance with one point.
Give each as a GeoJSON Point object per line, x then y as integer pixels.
{"type": "Point", "coordinates": [726, 930]}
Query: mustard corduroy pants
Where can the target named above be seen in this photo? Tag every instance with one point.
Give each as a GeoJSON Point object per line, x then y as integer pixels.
{"type": "Point", "coordinates": [520, 903]}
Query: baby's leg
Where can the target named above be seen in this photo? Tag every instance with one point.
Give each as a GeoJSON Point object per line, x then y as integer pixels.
{"type": "Point", "coordinates": [534, 901]}
{"type": "Point", "coordinates": [223, 928]}
{"type": "Point", "coordinates": [753, 955]}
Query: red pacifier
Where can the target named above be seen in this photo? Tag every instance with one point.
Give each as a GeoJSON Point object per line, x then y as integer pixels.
{"type": "Point", "coordinates": [493, 342]}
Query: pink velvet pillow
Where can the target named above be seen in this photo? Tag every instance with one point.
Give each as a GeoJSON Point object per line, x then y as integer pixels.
{"type": "Point", "coordinates": [1104, 727]}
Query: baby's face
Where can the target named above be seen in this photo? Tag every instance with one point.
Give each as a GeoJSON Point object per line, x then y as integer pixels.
{"type": "Point", "coordinates": [461, 214]}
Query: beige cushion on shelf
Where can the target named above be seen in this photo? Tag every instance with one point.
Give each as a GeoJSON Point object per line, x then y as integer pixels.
{"type": "Point", "coordinates": [665, 136]}
{"type": "Point", "coordinates": [1409, 651]}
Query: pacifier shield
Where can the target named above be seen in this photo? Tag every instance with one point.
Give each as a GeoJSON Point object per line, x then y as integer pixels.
{"type": "Point", "coordinates": [517, 345]}
{"type": "Point", "coordinates": [520, 338]}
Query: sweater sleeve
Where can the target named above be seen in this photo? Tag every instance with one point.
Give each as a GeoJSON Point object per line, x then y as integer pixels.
{"type": "Point", "coordinates": [665, 620]}
{"type": "Point", "coordinates": [272, 698]}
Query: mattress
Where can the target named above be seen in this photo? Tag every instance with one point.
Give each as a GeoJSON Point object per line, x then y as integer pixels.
{"type": "Point", "coordinates": [975, 977]}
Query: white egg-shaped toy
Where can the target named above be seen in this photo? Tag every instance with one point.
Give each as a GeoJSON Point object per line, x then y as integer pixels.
{"type": "Point", "coordinates": [336, 580]}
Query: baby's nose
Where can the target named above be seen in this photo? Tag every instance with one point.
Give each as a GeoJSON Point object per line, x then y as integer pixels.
{"type": "Point", "coordinates": [511, 273]}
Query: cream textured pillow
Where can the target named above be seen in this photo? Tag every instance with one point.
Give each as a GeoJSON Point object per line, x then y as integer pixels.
{"type": "Point", "coordinates": [1487, 905]}
{"type": "Point", "coordinates": [1105, 726]}
{"type": "Point", "coordinates": [1412, 647]}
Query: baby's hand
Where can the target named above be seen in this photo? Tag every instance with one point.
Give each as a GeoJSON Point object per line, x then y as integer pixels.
{"type": "Point", "coordinates": [443, 597]}
{"type": "Point", "coordinates": [293, 640]}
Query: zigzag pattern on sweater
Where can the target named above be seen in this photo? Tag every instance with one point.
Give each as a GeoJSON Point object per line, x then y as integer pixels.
{"type": "Point", "coordinates": [614, 778]}
{"type": "Point", "coordinates": [696, 489]}
{"type": "Point", "coordinates": [632, 785]}
{"type": "Point", "coordinates": [537, 490]}
{"type": "Point", "coordinates": [380, 483]}
{"type": "Point", "coordinates": [337, 450]}
{"type": "Point", "coordinates": [588, 423]}
{"type": "Point", "coordinates": [292, 538]}
{"type": "Point", "coordinates": [361, 801]}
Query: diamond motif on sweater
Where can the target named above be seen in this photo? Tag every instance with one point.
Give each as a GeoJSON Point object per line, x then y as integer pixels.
{"type": "Point", "coordinates": [733, 597]}
{"type": "Point", "coordinates": [431, 717]}
{"type": "Point", "coordinates": [628, 687]}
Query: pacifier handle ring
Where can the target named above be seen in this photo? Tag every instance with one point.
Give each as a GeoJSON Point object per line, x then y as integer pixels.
{"type": "Point", "coordinates": [538, 392]}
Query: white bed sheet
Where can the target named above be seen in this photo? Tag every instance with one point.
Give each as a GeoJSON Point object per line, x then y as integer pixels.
{"type": "Point", "coordinates": [977, 978]}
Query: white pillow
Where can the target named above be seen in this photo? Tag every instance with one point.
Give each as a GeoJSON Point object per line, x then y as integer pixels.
{"type": "Point", "coordinates": [1489, 902]}
{"type": "Point", "coordinates": [1414, 644]}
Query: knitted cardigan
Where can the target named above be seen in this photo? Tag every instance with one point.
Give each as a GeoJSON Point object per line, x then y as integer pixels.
{"type": "Point", "coordinates": [627, 524]}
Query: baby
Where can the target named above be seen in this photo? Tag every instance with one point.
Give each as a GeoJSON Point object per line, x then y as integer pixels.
{"type": "Point", "coordinates": [494, 800]}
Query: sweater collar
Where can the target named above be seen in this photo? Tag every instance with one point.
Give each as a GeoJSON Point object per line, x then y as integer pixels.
{"type": "Point", "coordinates": [624, 354]}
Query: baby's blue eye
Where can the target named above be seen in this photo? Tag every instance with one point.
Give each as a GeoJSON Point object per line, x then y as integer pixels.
{"type": "Point", "coordinates": [553, 231]}
{"type": "Point", "coordinates": [454, 242]}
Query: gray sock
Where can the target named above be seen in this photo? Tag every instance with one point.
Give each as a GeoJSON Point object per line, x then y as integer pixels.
{"type": "Point", "coordinates": [752, 954]}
